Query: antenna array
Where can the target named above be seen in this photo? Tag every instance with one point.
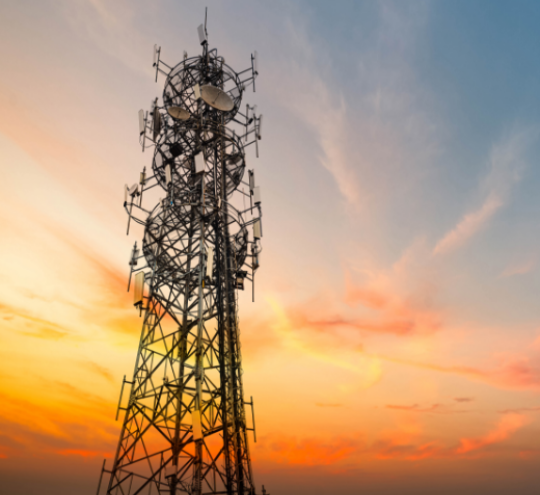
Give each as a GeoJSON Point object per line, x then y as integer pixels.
{"type": "Point", "coordinates": [185, 427]}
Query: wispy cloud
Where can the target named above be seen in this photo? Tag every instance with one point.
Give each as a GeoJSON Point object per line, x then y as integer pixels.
{"type": "Point", "coordinates": [521, 410]}
{"type": "Point", "coordinates": [379, 132]}
{"type": "Point", "coordinates": [100, 370]}
{"type": "Point", "coordinates": [469, 225]}
{"type": "Point", "coordinates": [507, 162]}
{"type": "Point", "coordinates": [434, 408]}
{"type": "Point", "coordinates": [515, 372]}
{"type": "Point", "coordinates": [521, 267]}
{"type": "Point", "coordinates": [111, 26]}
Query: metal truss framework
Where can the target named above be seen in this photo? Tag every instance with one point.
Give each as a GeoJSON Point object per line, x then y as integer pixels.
{"type": "Point", "coordinates": [185, 428]}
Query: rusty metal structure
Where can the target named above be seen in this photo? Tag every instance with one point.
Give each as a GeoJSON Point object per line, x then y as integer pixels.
{"type": "Point", "coordinates": [185, 427]}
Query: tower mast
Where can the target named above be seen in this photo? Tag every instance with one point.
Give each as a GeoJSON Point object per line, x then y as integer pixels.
{"type": "Point", "coordinates": [185, 428]}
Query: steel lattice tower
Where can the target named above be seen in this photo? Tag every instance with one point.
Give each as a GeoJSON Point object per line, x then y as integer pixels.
{"type": "Point", "coordinates": [185, 428]}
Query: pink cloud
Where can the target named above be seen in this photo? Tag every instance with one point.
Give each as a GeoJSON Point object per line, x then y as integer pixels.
{"type": "Point", "coordinates": [400, 315]}
{"type": "Point", "coordinates": [410, 447]}
{"type": "Point", "coordinates": [514, 373]}
{"type": "Point", "coordinates": [506, 427]}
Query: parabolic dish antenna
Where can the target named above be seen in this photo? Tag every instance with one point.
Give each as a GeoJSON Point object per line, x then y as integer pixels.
{"type": "Point", "coordinates": [178, 113]}
{"type": "Point", "coordinates": [217, 98]}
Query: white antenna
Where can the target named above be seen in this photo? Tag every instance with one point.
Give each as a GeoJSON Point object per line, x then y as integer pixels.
{"type": "Point", "coordinates": [200, 163]}
{"type": "Point", "coordinates": [257, 229]}
{"type": "Point", "coordinates": [141, 122]}
{"type": "Point", "coordinates": [202, 35]}
{"type": "Point", "coordinates": [257, 195]}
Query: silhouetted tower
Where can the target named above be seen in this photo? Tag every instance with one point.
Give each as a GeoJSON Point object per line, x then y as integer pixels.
{"type": "Point", "coordinates": [185, 428]}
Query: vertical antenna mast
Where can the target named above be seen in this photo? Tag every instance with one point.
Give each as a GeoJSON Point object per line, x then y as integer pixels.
{"type": "Point", "coordinates": [185, 428]}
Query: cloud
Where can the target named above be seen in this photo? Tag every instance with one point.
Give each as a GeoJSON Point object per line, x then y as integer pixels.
{"type": "Point", "coordinates": [521, 410]}
{"type": "Point", "coordinates": [300, 318]}
{"type": "Point", "coordinates": [434, 408]}
{"type": "Point", "coordinates": [507, 162]}
{"type": "Point", "coordinates": [44, 329]}
{"type": "Point", "coordinates": [414, 407]}
{"type": "Point", "coordinates": [111, 27]}
{"type": "Point", "coordinates": [85, 453]}
{"type": "Point", "coordinates": [463, 399]}
{"type": "Point", "coordinates": [411, 447]}
{"type": "Point", "coordinates": [520, 268]}
{"type": "Point", "coordinates": [401, 298]}
{"type": "Point", "coordinates": [379, 131]}
{"type": "Point", "coordinates": [400, 315]}
{"type": "Point", "coordinates": [324, 349]}
{"type": "Point", "coordinates": [516, 372]}
{"type": "Point", "coordinates": [309, 451]}
{"type": "Point", "coordinates": [100, 370]}
{"type": "Point", "coordinates": [67, 418]}
{"type": "Point", "coordinates": [507, 426]}
{"type": "Point", "coordinates": [529, 453]}
{"type": "Point", "coordinates": [468, 226]}
{"type": "Point", "coordinates": [46, 333]}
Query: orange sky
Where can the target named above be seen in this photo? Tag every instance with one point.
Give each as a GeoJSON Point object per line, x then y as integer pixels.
{"type": "Point", "coordinates": [394, 345]}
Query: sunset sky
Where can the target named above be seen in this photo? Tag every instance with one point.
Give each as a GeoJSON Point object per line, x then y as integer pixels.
{"type": "Point", "coordinates": [394, 344]}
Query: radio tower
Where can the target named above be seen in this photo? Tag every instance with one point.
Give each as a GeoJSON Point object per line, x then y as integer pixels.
{"type": "Point", "coordinates": [185, 428]}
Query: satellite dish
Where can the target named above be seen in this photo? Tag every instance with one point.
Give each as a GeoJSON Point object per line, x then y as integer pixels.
{"type": "Point", "coordinates": [178, 113]}
{"type": "Point", "coordinates": [217, 98]}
